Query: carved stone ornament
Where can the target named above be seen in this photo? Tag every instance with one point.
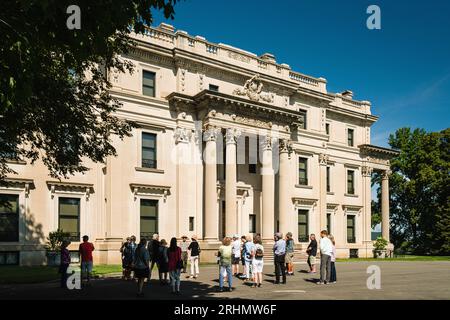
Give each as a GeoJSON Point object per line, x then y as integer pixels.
{"type": "Point", "coordinates": [285, 146]}
{"type": "Point", "coordinates": [366, 171]}
{"type": "Point", "coordinates": [253, 90]}
{"type": "Point", "coordinates": [210, 133]}
{"type": "Point", "coordinates": [323, 159]}
{"type": "Point", "coordinates": [385, 174]}
{"type": "Point", "coordinates": [266, 142]}
{"type": "Point", "coordinates": [182, 135]}
{"type": "Point", "coordinates": [232, 134]}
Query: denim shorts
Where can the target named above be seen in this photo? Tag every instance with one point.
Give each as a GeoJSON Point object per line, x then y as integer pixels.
{"type": "Point", "coordinates": [86, 266]}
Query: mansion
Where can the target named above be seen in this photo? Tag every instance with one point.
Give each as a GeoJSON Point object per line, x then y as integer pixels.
{"type": "Point", "coordinates": [227, 143]}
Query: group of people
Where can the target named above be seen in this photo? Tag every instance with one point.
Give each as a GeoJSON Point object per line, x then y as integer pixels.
{"type": "Point", "coordinates": [85, 250]}
{"type": "Point", "coordinates": [171, 260]}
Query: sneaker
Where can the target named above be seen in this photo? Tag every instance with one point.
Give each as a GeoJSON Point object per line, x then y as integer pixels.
{"type": "Point", "coordinates": [220, 290]}
{"type": "Point", "coordinates": [259, 285]}
{"type": "Point", "coordinates": [230, 289]}
{"type": "Point", "coordinates": [320, 282]}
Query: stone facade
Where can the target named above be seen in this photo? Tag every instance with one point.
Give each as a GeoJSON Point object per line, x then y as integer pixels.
{"type": "Point", "coordinates": [228, 142]}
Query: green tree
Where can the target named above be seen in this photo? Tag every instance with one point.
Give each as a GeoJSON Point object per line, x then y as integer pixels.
{"type": "Point", "coordinates": [54, 92]}
{"type": "Point", "coordinates": [419, 190]}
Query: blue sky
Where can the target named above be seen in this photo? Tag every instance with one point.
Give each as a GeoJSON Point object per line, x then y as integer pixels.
{"type": "Point", "coordinates": [403, 69]}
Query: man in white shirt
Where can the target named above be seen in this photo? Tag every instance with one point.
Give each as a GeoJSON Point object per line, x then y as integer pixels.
{"type": "Point", "coordinates": [326, 250]}
{"type": "Point", "coordinates": [235, 254]}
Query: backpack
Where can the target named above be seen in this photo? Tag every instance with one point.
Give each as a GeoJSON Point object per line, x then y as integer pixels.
{"type": "Point", "coordinates": [259, 253]}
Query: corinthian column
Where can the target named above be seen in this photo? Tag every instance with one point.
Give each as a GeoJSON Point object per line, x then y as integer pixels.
{"type": "Point", "coordinates": [211, 219]}
{"type": "Point", "coordinates": [367, 202]}
{"type": "Point", "coordinates": [268, 189]}
{"type": "Point", "coordinates": [323, 162]}
{"type": "Point", "coordinates": [231, 137]}
{"type": "Point", "coordinates": [385, 205]}
{"type": "Point", "coordinates": [284, 194]}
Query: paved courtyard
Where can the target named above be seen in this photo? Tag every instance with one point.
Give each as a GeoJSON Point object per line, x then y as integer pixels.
{"type": "Point", "coordinates": [399, 280]}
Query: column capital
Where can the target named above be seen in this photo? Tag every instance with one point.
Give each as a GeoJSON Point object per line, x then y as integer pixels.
{"type": "Point", "coordinates": [285, 146]}
{"type": "Point", "coordinates": [385, 174]}
{"type": "Point", "coordinates": [232, 134]}
{"type": "Point", "coordinates": [323, 159]}
{"type": "Point", "coordinates": [211, 133]}
{"type": "Point", "coordinates": [182, 135]}
{"type": "Point", "coordinates": [366, 171]}
{"type": "Point", "coordinates": [266, 142]}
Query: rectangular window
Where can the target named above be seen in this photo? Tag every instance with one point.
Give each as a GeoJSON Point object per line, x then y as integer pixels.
{"type": "Point", "coordinates": [328, 180]}
{"type": "Point", "coordinates": [327, 128]}
{"type": "Point", "coordinates": [191, 223]}
{"type": "Point", "coordinates": [149, 218]}
{"type": "Point", "coordinates": [69, 217]}
{"type": "Point", "coordinates": [303, 225]}
{"type": "Point", "coordinates": [148, 83]}
{"type": "Point", "coordinates": [9, 218]}
{"type": "Point", "coordinates": [302, 119]}
{"type": "Point", "coordinates": [213, 87]}
{"type": "Point", "coordinates": [351, 229]}
{"type": "Point", "coordinates": [252, 223]}
{"type": "Point", "coordinates": [350, 137]}
{"type": "Point", "coordinates": [9, 258]}
{"type": "Point", "coordinates": [149, 150]}
{"type": "Point", "coordinates": [303, 171]}
{"type": "Point", "coordinates": [252, 168]}
{"type": "Point", "coordinates": [350, 182]}
{"type": "Point", "coordinates": [329, 223]}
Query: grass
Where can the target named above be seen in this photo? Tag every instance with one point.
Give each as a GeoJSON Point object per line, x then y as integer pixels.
{"type": "Point", "coordinates": [400, 258]}
{"type": "Point", "coordinates": [38, 274]}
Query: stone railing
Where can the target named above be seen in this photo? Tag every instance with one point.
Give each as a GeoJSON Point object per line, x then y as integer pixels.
{"type": "Point", "coordinates": [167, 37]}
{"type": "Point", "coordinates": [160, 35]}
{"type": "Point", "coordinates": [302, 78]}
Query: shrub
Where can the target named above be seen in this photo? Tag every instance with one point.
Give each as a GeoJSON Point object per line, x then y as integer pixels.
{"type": "Point", "coordinates": [55, 239]}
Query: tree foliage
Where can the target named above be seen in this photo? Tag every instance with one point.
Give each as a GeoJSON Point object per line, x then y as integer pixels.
{"type": "Point", "coordinates": [54, 97]}
{"type": "Point", "coordinates": [420, 191]}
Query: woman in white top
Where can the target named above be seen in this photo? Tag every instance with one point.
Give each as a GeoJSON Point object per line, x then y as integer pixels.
{"type": "Point", "coordinates": [257, 262]}
{"type": "Point", "coordinates": [333, 261]}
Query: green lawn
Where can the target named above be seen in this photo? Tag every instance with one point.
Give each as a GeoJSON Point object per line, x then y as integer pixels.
{"type": "Point", "coordinates": [400, 258]}
{"type": "Point", "coordinates": [15, 274]}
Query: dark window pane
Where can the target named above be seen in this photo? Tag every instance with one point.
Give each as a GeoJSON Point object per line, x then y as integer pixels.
{"type": "Point", "coordinates": [148, 150]}
{"type": "Point", "coordinates": [252, 223]}
{"type": "Point", "coordinates": [327, 128]}
{"type": "Point", "coordinates": [350, 134]}
{"type": "Point", "coordinates": [303, 225]}
{"type": "Point", "coordinates": [252, 168]}
{"type": "Point", "coordinates": [303, 171]}
{"type": "Point", "coordinates": [148, 218]}
{"type": "Point", "coordinates": [191, 223]}
{"type": "Point", "coordinates": [9, 218]}
{"type": "Point", "coordinates": [329, 222]}
{"type": "Point", "coordinates": [350, 182]}
{"type": "Point", "coordinates": [351, 229]}
{"type": "Point", "coordinates": [213, 87]}
{"type": "Point", "coordinates": [148, 83]}
{"type": "Point", "coordinates": [328, 180]}
{"type": "Point", "coordinates": [69, 217]}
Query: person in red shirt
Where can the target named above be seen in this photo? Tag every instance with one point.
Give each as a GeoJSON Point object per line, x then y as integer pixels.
{"type": "Point", "coordinates": [85, 251]}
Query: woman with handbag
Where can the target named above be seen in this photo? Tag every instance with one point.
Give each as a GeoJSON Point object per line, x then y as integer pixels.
{"type": "Point", "coordinates": [175, 265]}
